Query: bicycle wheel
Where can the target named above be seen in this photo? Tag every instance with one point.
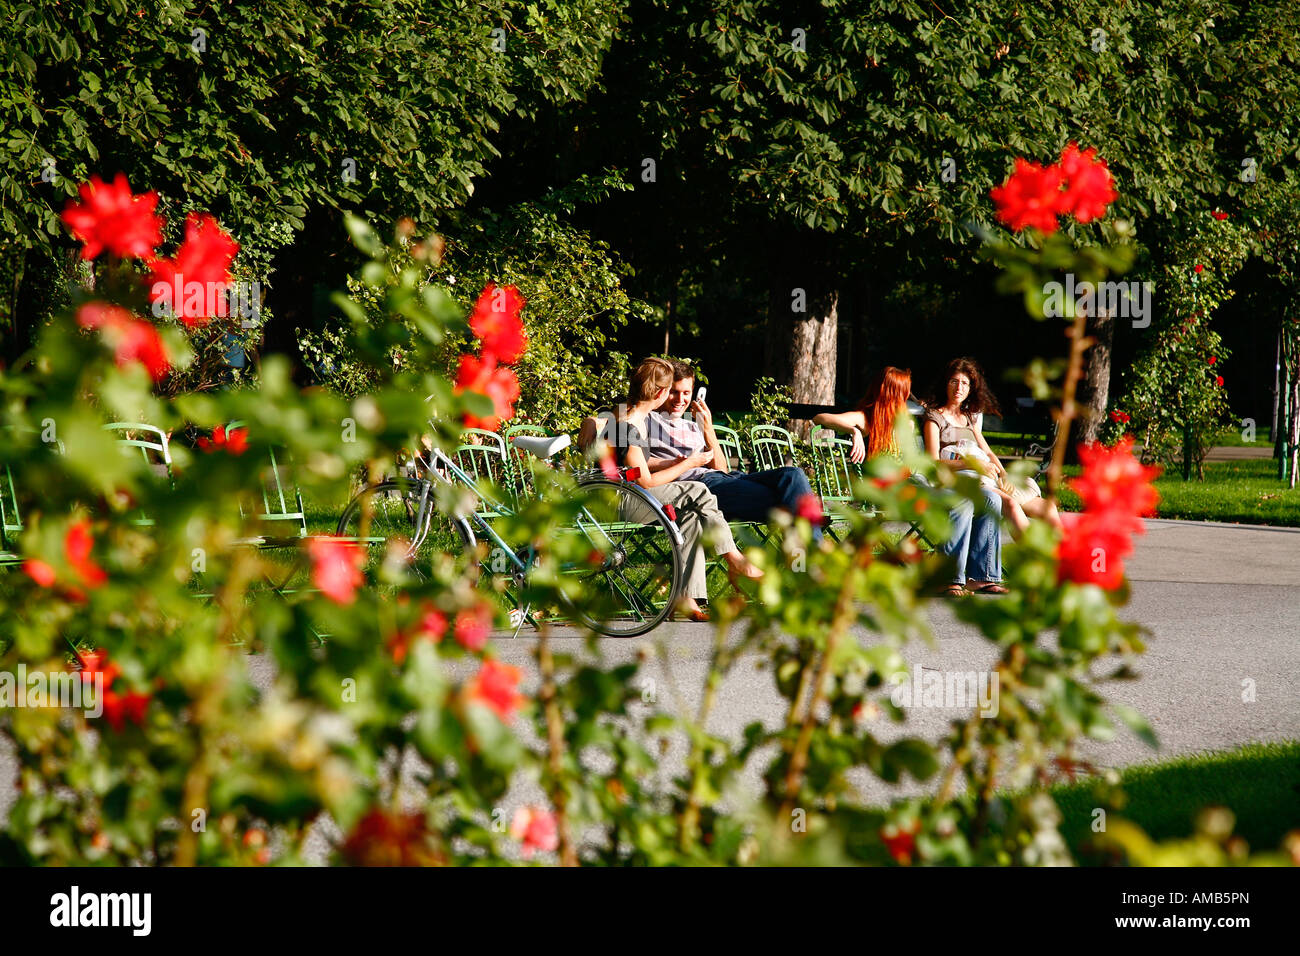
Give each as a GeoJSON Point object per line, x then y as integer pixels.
{"type": "Point", "coordinates": [633, 571]}
{"type": "Point", "coordinates": [392, 513]}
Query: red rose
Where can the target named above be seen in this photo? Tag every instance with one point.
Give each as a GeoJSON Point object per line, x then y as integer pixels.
{"type": "Point", "coordinates": [131, 339]}
{"type": "Point", "coordinates": [1029, 197]}
{"type": "Point", "coordinates": [1219, 215]}
{"type": "Point", "coordinates": [495, 686]}
{"type": "Point", "coordinates": [1093, 548]}
{"type": "Point", "coordinates": [1199, 267]}
{"type": "Point", "coordinates": [1089, 187]}
{"type": "Point", "coordinates": [536, 828]}
{"type": "Point", "coordinates": [474, 627]}
{"type": "Point", "coordinates": [39, 571]}
{"type": "Point", "coordinates": [1114, 481]}
{"type": "Point", "coordinates": [497, 382]}
{"type": "Point", "coordinates": [810, 508]}
{"type": "Point", "coordinates": [336, 568]}
{"type": "Point", "coordinates": [77, 543]}
{"type": "Point", "coordinates": [1218, 380]}
{"type": "Point", "coordinates": [496, 322]}
{"type": "Point", "coordinates": [234, 441]}
{"type": "Point", "coordinates": [194, 280]}
{"type": "Point", "coordinates": [433, 624]}
{"type": "Point", "coordinates": [109, 216]}
{"type": "Point", "coordinates": [1213, 359]}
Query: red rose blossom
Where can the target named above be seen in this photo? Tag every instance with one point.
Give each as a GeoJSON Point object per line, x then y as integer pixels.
{"type": "Point", "coordinates": [536, 828]}
{"type": "Point", "coordinates": [495, 686]}
{"type": "Point", "coordinates": [1213, 359]}
{"type": "Point", "coordinates": [1116, 490]}
{"type": "Point", "coordinates": [77, 543]}
{"type": "Point", "coordinates": [810, 508]}
{"type": "Point", "coordinates": [1089, 187]}
{"type": "Point", "coordinates": [1218, 380]}
{"type": "Point", "coordinates": [336, 568]}
{"type": "Point", "coordinates": [496, 322]}
{"type": "Point", "coordinates": [132, 339]}
{"type": "Point", "coordinates": [497, 382]}
{"type": "Point", "coordinates": [473, 628]}
{"type": "Point", "coordinates": [194, 280]}
{"type": "Point", "coordinates": [1199, 267]}
{"type": "Point", "coordinates": [234, 441]}
{"type": "Point", "coordinates": [1219, 215]}
{"type": "Point", "coordinates": [110, 217]}
{"type": "Point", "coordinates": [39, 571]}
{"type": "Point", "coordinates": [1030, 197]}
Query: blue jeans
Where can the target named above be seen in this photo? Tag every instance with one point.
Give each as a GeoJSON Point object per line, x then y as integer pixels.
{"type": "Point", "coordinates": [751, 495]}
{"type": "Point", "coordinates": [976, 540]}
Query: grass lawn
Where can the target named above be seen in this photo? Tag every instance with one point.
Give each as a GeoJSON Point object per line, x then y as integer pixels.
{"type": "Point", "coordinates": [1233, 439]}
{"type": "Point", "coordinates": [1243, 492]}
{"type": "Point", "coordinates": [1259, 783]}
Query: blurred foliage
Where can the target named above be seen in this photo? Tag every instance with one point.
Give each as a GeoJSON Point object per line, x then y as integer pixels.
{"type": "Point", "coordinates": [576, 303]}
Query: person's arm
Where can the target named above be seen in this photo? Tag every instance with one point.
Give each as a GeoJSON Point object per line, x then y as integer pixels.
{"type": "Point", "coordinates": [704, 419]}
{"type": "Point", "coordinates": [653, 479]}
{"type": "Point", "coordinates": [854, 422]}
{"type": "Point", "coordinates": [993, 459]}
{"type": "Point", "coordinates": [659, 464]}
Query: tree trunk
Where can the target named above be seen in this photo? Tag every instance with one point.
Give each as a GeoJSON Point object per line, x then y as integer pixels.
{"type": "Point", "coordinates": [802, 336]}
{"type": "Point", "coordinates": [1094, 387]}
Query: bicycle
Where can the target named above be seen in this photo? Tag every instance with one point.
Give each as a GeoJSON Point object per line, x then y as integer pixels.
{"type": "Point", "coordinates": [632, 572]}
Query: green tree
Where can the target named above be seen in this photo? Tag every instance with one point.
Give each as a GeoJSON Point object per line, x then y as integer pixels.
{"type": "Point", "coordinates": [261, 112]}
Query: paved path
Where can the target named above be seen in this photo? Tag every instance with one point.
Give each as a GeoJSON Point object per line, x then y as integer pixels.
{"type": "Point", "coordinates": [1222, 602]}
{"type": "Point", "coordinates": [1239, 453]}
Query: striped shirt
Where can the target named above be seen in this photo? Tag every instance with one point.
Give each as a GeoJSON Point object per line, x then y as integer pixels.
{"type": "Point", "coordinates": [675, 438]}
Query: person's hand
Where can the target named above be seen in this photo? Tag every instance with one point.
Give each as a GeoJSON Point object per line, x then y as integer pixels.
{"type": "Point", "coordinates": [858, 453]}
{"type": "Point", "coordinates": [703, 417]}
{"type": "Point", "coordinates": [701, 459]}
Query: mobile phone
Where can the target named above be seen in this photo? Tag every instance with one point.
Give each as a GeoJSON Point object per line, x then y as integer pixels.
{"type": "Point", "coordinates": [699, 396]}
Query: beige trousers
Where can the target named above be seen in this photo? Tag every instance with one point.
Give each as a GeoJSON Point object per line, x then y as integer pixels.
{"type": "Point", "coordinates": [698, 517]}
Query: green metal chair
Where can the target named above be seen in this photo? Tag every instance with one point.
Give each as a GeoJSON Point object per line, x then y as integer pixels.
{"type": "Point", "coordinates": [773, 447]}
{"type": "Point", "coordinates": [11, 522]}
{"type": "Point", "coordinates": [482, 455]}
{"type": "Point", "coordinates": [278, 489]}
{"type": "Point", "coordinates": [519, 469]}
{"type": "Point", "coordinates": [733, 447]}
{"type": "Point", "coordinates": [148, 439]}
{"type": "Point", "coordinates": [834, 473]}
{"type": "Point", "coordinates": [154, 447]}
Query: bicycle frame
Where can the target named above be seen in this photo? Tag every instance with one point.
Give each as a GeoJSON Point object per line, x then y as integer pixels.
{"type": "Point", "coordinates": [423, 520]}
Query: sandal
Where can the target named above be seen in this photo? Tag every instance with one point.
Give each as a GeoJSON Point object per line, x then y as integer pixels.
{"type": "Point", "coordinates": [993, 587]}
{"type": "Point", "coordinates": [699, 615]}
{"type": "Point", "coordinates": [954, 590]}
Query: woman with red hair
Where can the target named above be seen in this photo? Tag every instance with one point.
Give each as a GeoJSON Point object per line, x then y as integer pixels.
{"type": "Point", "coordinates": [873, 422]}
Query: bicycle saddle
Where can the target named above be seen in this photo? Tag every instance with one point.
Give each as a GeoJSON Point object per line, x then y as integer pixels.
{"type": "Point", "coordinates": [540, 445]}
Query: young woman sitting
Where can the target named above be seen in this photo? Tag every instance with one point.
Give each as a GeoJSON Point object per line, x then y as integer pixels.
{"type": "Point", "coordinates": [872, 423]}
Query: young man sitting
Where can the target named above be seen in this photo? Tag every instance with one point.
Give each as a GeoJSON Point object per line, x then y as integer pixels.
{"type": "Point", "coordinates": [672, 438]}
